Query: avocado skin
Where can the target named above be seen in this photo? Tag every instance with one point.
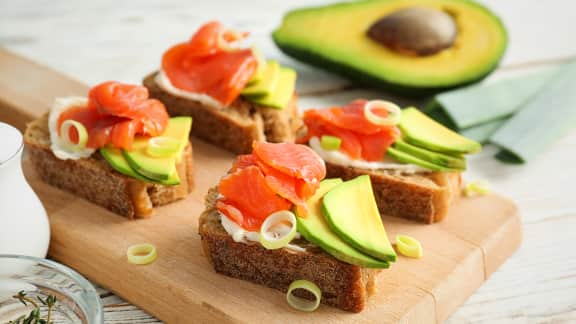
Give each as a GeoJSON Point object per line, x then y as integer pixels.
{"type": "Point", "coordinates": [441, 159]}
{"type": "Point", "coordinates": [368, 80]}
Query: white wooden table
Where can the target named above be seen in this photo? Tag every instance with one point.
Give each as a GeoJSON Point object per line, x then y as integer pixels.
{"type": "Point", "coordinates": [123, 40]}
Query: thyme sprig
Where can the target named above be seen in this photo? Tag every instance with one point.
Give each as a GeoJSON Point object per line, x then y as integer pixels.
{"type": "Point", "coordinates": [34, 317]}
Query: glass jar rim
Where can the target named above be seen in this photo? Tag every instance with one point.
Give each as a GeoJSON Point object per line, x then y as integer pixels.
{"type": "Point", "coordinates": [92, 299]}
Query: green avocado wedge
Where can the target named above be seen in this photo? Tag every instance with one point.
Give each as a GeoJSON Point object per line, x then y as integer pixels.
{"type": "Point", "coordinates": [351, 212]}
{"type": "Point", "coordinates": [423, 131]}
{"type": "Point", "coordinates": [161, 168]}
{"type": "Point", "coordinates": [282, 93]}
{"type": "Point", "coordinates": [119, 163]}
{"type": "Point", "coordinates": [411, 159]}
{"type": "Point", "coordinates": [437, 158]}
{"type": "Point", "coordinates": [314, 228]}
{"type": "Point", "coordinates": [267, 84]}
{"type": "Point", "coordinates": [334, 37]}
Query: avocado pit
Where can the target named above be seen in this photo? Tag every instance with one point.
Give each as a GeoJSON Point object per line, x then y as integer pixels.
{"type": "Point", "coordinates": [415, 31]}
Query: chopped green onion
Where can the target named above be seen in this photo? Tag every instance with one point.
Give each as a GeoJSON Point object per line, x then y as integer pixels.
{"type": "Point", "coordinates": [80, 130]}
{"type": "Point", "coordinates": [476, 188]}
{"type": "Point", "coordinates": [409, 246]}
{"type": "Point", "coordinates": [301, 303]}
{"type": "Point", "coordinates": [273, 234]}
{"type": "Point", "coordinates": [330, 143]}
{"type": "Point", "coordinates": [394, 113]}
{"type": "Point", "coordinates": [144, 253]}
{"type": "Point", "coordinates": [162, 146]}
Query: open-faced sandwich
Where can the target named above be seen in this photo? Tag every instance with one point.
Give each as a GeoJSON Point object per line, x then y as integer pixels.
{"type": "Point", "coordinates": [274, 220]}
{"type": "Point", "coordinates": [233, 95]}
{"type": "Point", "coordinates": [116, 148]}
{"type": "Point", "coordinates": [414, 162]}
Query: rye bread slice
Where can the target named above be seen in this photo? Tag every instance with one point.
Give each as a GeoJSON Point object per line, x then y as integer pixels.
{"type": "Point", "coordinates": [95, 180]}
{"type": "Point", "coordinates": [233, 128]}
{"type": "Point", "coordinates": [343, 285]}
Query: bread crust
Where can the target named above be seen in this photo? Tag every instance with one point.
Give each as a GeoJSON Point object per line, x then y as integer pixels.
{"type": "Point", "coordinates": [425, 197]}
{"type": "Point", "coordinates": [95, 180]}
{"type": "Point", "coordinates": [233, 128]}
{"type": "Point", "coordinates": [343, 285]}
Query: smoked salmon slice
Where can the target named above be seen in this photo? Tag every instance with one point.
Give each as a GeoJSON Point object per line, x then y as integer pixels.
{"type": "Point", "coordinates": [361, 139]}
{"type": "Point", "coordinates": [256, 187]}
{"type": "Point", "coordinates": [246, 190]}
{"type": "Point", "coordinates": [208, 65]}
{"type": "Point", "coordinates": [295, 160]}
{"type": "Point", "coordinates": [117, 112]}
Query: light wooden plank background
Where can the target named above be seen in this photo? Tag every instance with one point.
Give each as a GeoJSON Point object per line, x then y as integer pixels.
{"type": "Point", "coordinates": [123, 40]}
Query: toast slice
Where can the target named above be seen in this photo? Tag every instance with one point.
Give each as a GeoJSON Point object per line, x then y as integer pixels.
{"type": "Point", "coordinates": [343, 285]}
{"type": "Point", "coordinates": [95, 180]}
{"type": "Point", "coordinates": [425, 196]}
{"type": "Point", "coordinates": [233, 128]}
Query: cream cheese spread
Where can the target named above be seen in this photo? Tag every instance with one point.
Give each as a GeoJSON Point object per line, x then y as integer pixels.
{"type": "Point", "coordinates": [163, 82]}
{"type": "Point", "coordinates": [243, 236]}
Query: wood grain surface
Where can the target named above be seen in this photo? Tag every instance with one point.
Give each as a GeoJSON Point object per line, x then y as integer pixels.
{"type": "Point", "coordinates": [460, 253]}
{"type": "Point", "coordinates": [94, 41]}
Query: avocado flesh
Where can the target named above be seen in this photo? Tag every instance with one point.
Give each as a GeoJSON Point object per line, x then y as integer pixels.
{"type": "Point", "coordinates": [422, 131]}
{"type": "Point", "coordinates": [443, 160]}
{"type": "Point", "coordinates": [160, 168]}
{"type": "Point", "coordinates": [351, 212]}
{"type": "Point", "coordinates": [314, 228]}
{"type": "Point", "coordinates": [311, 35]}
{"type": "Point", "coordinates": [259, 74]}
{"type": "Point", "coordinates": [118, 162]}
{"type": "Point", "coordinates": [267, 84]}
{"type": "Point", "coordinates": [411, 159]}
{"type": "Point", "coordinates": [282, 93]}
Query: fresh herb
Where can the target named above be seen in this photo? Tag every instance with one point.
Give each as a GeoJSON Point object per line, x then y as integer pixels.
{"type": "Point", "coordinates": [34, 316]}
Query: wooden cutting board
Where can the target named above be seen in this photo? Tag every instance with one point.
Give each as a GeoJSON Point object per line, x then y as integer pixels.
{"type": "Point", "coordinates": [478, 235]}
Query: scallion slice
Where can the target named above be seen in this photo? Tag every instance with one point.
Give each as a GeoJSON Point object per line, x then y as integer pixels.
{"type": "Point", "coordinates": [144, 253]}
{"type": "Point", "coordinates": [409, 246]}
{"type": "Point", "coordinates": [394, 113]}
{"type": "Point", "coordinates": [161, 146]}
{"type": "Point", "coordinates": [330, 143]}
{"type": "Point", "coordinates": [476, 188]}
{"type": "Point", "coordinates": [273, 233]}
{"type": "Point", "coordinates": [301, 303]}
{"type": "Point", "coordinates": [80, 130]}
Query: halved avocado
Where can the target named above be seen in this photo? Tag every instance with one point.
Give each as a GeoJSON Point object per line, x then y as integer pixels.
{"type": "Point", "coordinates": [315, 229]}
{"type": "Point", "coordinates": [336, 37]}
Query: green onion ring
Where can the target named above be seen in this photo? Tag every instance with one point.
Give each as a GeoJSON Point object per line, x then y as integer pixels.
{"type": "Point", "coordinates": [409, 246]}
{"type": "Point", "coordinates": [476, 188]}
{"type": "Point", "coordinates": [144, 253]}
{"type": "Point", "coordinates": [330, 143]}
{"type": "Point", "coordinates": [161, 146]}
{"type": "Point", "coordinates": [82, 134]}
{"type": "Point", "coordinates": [273, 240]}
{"type": "Point", "coordinates": [394, 113]}
{"type": "Point", "coordinates": [301, 303]}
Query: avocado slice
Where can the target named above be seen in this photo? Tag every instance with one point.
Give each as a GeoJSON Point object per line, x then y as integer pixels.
{"type": "Point", "coordinates": [282, 92]}
{"type": "Point", "coordinates": [335, 37]}
{"type": "Point", "coordinates": [423, 131]}
{"type": "Point", "coordinates": [315, 229]}
{"type": "Point", "coordinates": [408, 158]}
{"type": "Point", "coordinates": [119, 163]}
{"type": "Point", "coordinates": [441, 159]}
{"type": "Point", "coordinates": [259, 74]}
{"type": "Point", "coordinates": [159, 168]}
{"type": "Point", "coordinates": [351, 211]}
{"type": "Point", "coordinates": [267, 83]}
